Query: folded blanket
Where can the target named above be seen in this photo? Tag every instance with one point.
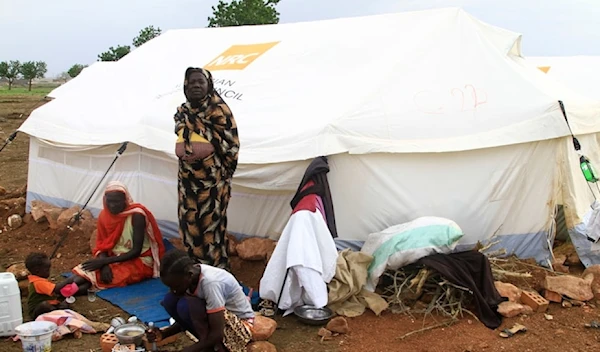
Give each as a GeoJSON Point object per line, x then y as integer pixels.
{"type": "Point", "coordinates": [347, 293]}
{"type": "Point", "coordinates": [71, 322]}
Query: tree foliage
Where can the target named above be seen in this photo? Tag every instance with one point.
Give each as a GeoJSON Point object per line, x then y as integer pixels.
{"type": "Point", "coordinates": [145, 35]}
{"type": "Point", "coordinates": [75, 70]}
{"type": "Point", "coordinates": [10, 70]}
{"type": "Point", "coordinates": [114, 54]}
{"type": "Point", "coordinates": [32, 70]}
{"type": "Point", "coordinates": [63, 76]}
{"type": "Point", "coordinates": [244, 12]}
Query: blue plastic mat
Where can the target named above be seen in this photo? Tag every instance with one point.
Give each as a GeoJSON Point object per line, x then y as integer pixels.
{"type": "Point", "coordinates": [141, 299]}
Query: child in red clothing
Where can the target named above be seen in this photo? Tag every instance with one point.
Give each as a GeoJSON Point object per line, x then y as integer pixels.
{"type": "Point", "coordinates": [43, 294]}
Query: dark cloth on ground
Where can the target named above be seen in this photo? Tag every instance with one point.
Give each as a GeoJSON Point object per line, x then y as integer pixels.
{"type": "Point", "coordinates": [471, 270]}
{"type": "Point", "coordinates": [317, 172]}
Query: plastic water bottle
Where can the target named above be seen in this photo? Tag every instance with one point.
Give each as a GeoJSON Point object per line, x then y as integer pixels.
{"type": "Point", "coordinates": [588, 170]}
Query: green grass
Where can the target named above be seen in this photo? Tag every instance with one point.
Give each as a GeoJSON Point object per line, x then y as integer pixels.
{"type": "Point", "coordinates": [35, 91]}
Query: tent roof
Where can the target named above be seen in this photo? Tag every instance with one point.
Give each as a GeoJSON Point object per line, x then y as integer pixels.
{"type": "Point", "coordinates": [427, 81]}
{"type": "Point", "coordinates": [80, 84]}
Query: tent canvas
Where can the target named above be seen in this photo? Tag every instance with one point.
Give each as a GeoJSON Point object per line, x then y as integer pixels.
{"type": "Point", "coordinates": [579, 73]}
{"type": "Point", "coordinates": [96, 72]}
{"type": "Point", "coordinates": [429, 113]}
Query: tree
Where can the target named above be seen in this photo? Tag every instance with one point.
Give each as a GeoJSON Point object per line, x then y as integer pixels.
{"type": "Point", "coordinates": [64, 77]}
{"type": "Point", "coordinates": [244, 12]}
{"type": "Point", "coordinates": [75, 70]}
{"type": "Point", "coordinates": [114, 54]}
{"type": "Point", "coordinates": [32, 70]}
{"type": "Point", "coordinates": [10, 71]}
{"type": "Point", "coordinates": [145, 35]}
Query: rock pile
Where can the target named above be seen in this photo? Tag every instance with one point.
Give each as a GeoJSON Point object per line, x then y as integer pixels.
{"type": "Point", "coordinates": [567, 290]}
{"type": "Point", "coordinates": [252, 249]}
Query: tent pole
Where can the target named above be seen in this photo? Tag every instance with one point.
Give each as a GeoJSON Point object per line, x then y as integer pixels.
{"type": "Point", "coordinates": [9, 140]}
{"type": "Point", "coordinates": [75, 219]}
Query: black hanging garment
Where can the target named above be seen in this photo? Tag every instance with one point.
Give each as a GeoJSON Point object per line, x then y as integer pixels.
{"type": "Point", "coordinates": [471, 270]}
{"type": "Point", "coordinates": [317, 172]}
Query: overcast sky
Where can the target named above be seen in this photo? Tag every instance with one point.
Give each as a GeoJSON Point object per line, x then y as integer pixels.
{"type": "Point", "coordinates": [64, 32]}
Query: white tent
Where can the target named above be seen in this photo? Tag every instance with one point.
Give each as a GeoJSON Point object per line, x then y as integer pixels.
{"type": "Point", "coordinates": [423, 113]}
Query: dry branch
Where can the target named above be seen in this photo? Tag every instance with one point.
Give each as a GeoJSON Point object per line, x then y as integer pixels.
{"type": "Point", "coordinates": [444, 323]}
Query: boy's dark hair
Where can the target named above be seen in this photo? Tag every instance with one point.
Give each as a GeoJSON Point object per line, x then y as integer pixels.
{"type": "Point", "coordinates": [175, 262]}
{"type": "Point", "coordinates": [35, 261]}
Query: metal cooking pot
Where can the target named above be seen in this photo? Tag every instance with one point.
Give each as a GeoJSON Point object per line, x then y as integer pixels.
{"type": "Point", "coordinates": [312, 315]}
{"type": "Point", "coordinates": [131, 333]}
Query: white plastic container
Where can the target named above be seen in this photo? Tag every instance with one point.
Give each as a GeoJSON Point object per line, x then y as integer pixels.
{"type": "Point", "coordinates": [11, 314]}
{"type": "Point", "coordinates": [36, 336]}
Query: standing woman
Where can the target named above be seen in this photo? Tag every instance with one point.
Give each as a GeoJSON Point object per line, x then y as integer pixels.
{"type": "Point", "coordinates": [207, 148]}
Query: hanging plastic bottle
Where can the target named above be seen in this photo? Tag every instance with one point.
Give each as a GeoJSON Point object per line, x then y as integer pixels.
{"type": "Point", "coordinates": [588, 170]}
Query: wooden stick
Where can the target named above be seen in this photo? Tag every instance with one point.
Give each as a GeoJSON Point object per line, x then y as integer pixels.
{"type": "Point", "coordinates": [444, 323]}
{"type": "Point", "coordinates": [192, 337]}
{"type": "Point", "coordinates": [510, 273]}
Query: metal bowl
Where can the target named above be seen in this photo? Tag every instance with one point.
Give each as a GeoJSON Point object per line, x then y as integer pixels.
{"type": "Point", "coordinates": [313, 316]}
{"type": "Point", "coordinates": [131, 333]}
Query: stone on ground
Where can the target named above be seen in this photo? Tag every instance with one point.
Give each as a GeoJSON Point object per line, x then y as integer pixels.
{"type": "Point", "coordinates": [15, 221]}
{"type": "Point", "coordinates": [594, 271]}
{"type": "Point", "coordinates": [510, 291]}
{"type": "Point", "coordinates": [571, 286]}
{"type": "Point", "coordinates": [255, 248]}
{"type": "Point", "coordinates": [66, 215]}
{"type": "Point", "coordinates": [324, 333]}
{"type": "Point", "coordinates": [261, 346]}
{"type": "Point", "coordinates": [39, 210]}
{"type": "Point", "coordinates": [263, 328]}
{"type": "Point", "coordinates": [573, 259]}
{"type": "Point", "coordinates": [338, 325]}
{"type": "Point", "coordinates": [19, 270]}
{"type": "Point", "coordinates": [512, 309]}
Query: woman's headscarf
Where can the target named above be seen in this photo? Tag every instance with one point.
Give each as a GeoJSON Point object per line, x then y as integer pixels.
{"type": "Point", "coordinates": [213, 120]}
{"type": "Point", "coordinates": [110, 226]}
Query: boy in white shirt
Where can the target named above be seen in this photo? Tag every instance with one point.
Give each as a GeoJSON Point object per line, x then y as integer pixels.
{"type": "Point", "coordinates": [206, 301]}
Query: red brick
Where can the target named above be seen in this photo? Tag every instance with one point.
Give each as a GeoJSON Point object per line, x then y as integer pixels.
{"type": "Point", "coordinates": [535, 301]}
{"type": "Point", "coordinates": [108, 341]}
{"type": "Point", "coordinates": [552, 296]}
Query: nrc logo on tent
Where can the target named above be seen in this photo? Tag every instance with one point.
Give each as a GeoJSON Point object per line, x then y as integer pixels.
{"type": "Point", "coordinates": [237, 57]}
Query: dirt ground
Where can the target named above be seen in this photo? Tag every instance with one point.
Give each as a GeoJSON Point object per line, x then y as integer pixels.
{"type": "Point", "coordinates": [367, 332]}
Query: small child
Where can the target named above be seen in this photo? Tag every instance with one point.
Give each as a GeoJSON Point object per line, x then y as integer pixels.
{"type": "Point", "coordinates": [43, 294]}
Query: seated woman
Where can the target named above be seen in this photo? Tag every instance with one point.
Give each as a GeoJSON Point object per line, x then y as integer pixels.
{"type": "Point", "coordinates": [206, 301]}
{"type": "Point", "coordinates": [128, 248]}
